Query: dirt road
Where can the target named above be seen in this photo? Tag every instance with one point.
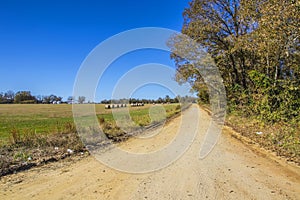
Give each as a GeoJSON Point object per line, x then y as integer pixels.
{"type": "Point", "coordinates": [231, 171]}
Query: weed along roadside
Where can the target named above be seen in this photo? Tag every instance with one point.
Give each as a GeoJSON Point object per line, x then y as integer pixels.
{"type": "Point", "coordinates": [32, 136]}
{"type": "Point", "coordinates": [267, 136]}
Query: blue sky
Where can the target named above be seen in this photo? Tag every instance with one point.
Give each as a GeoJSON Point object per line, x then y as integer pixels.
{"type": "Point", "coordinates": [43, 43]}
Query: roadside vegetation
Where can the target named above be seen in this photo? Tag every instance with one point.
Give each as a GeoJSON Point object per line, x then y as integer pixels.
{"type": "Point", "coordinates": [256, 47]}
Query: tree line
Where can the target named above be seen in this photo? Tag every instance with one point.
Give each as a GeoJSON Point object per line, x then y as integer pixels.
{"type": "Point", "coordinates": [256, 47]}
{"type": "Point", "coordinates": [166, 99]}
{"type": "Point", "coordinates": [25, 97]}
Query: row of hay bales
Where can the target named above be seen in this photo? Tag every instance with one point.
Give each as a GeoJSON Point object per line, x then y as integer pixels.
{"type": "Point", "coordinates": [110, 106]}
{"type": "Point", "coordinates": [137, 104]}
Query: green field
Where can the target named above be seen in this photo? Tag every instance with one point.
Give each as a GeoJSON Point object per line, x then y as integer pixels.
{"type": "Point", "coordinates": [48, 118]}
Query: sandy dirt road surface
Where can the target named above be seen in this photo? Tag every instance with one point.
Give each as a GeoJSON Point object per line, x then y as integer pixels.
{"type": "Point", "coordinates": [232, 170]}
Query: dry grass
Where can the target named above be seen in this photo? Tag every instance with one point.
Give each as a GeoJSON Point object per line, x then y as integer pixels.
{"type": "Point", "coordinates": [281, 138]}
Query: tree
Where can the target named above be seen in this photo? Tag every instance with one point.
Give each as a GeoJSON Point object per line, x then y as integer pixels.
{"type": "Point", "coordinates": [276, 75]}
{"type": "Point", "coordinates": [24, 97]}
{"type": "Point", "coordinates": [218, 26]}
{"type": "Point", "coordinates": [9, 96]}
{"type": "Point", "coordinates": [255, 45]}
{"type": "Point", "coordinates": [167, 99]}
{"type": "Point", "coordinates": [39, 98]}
{"type": "Point", "coordinates": [71, 98]}
{"type": "Point", "coordinates": [132, 100]}
{"type": "Point", "coordinates": [177, 99]}
{"type": "Point", "coordinates": [57, 98]}
{"type": "Point", "coordinates": [275, 41]}
{"type": "Point", "coordinates": [159, 100]}
{"type": "Point", "coordinates": [105, 101]}
{"type": "Point", "coordinates": [1, 97]}
{"type": "Point", "coordinates": [46, 99]}
{"type": "Point", "coordinates": [81, 99]}
{"type": "Point", "coordinates": [52, 98]}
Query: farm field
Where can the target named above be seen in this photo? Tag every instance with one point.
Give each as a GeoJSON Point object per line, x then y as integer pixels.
{"type": "Point", "coordinates": [31, 135]}
{"type": "Point", "coordinates": [48, 118]}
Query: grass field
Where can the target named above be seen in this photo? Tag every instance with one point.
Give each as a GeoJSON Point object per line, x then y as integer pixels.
{"type": "Point", "coordinates": [37, 133]}
{"type": "Point", "coordinates": [48, 118]}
